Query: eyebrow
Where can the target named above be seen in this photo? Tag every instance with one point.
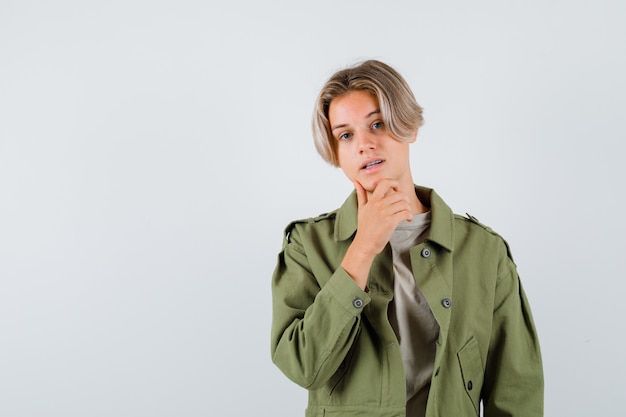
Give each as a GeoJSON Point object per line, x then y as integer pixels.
{"type": "Point", "coordinates": [367, 116]}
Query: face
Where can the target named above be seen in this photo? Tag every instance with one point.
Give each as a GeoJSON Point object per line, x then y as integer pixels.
{"type": "Point", "coordinates": [366, 151]}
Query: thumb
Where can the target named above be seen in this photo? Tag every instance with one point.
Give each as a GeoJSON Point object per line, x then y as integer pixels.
{"type": "Point", "coordinates": [361, 194]}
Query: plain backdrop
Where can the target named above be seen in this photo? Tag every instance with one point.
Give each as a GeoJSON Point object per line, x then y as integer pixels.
{"type": "Point", "coordinates": [152, 152]}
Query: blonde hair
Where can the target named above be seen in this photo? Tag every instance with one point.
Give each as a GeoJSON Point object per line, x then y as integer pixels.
{"type": "Point", "coordinates": [399, 109]}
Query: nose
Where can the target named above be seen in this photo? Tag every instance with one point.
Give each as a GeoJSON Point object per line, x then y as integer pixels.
{"type": "Point", "coordinates": [366, 141]}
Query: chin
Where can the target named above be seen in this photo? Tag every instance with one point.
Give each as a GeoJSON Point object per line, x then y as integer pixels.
{"type": "Point", "coordinates": [370, 186]}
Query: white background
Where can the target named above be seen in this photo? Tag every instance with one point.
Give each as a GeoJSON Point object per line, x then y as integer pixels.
{"type": "Point", "coordinates": [151, 153]}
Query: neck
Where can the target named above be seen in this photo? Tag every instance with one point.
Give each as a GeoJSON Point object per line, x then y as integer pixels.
{"type": "Point", "coordinates": [408, 188]}
{"type": "Point", "coordinates": [416, 205]}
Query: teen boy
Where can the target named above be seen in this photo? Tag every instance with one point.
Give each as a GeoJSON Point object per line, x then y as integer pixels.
{"type": "Point", "coordinates": [392, 305]}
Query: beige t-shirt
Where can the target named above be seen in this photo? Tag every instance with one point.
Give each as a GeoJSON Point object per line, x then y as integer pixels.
{"type": "Point", "coordinates": [411, 317]}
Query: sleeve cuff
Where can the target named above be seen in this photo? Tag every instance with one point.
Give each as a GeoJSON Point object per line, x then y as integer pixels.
{"type": "Point", "coordinates": [346, 293]}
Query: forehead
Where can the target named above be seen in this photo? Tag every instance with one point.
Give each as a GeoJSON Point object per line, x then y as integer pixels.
{"type": "Point", "coordinates": [352, 105]}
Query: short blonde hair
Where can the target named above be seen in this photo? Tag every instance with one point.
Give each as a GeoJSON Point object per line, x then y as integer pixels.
{"type": "Point", "coordinates": [399, 109]}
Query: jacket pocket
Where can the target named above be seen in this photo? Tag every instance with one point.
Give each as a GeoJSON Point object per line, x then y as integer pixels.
{"type": "Point", "coordinates": [472, 371]}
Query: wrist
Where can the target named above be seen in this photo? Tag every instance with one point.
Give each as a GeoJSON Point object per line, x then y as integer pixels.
{"type": "Point", "coordinates": [357, 265]}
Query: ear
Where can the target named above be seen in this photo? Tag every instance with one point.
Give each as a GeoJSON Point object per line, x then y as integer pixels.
{"type": "Point", "coordinates": [413, 137]}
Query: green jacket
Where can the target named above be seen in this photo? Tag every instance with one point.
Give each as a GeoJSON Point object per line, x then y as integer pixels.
{"type": "Point", "coordinates": [334, 339]}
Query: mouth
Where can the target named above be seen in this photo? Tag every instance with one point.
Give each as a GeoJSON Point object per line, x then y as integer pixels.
{"type": "Point", "coordinates": [372, 163]}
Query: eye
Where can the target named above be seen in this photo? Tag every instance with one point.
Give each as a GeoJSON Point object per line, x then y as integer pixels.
{"type": "Point", "coordinates": [345, 136]}
{"type": "Point", "coordinates": [377, 125]}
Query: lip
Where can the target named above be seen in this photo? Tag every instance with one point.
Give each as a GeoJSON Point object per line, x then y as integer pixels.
{"type": "Point", "coordinates": [372, 164]}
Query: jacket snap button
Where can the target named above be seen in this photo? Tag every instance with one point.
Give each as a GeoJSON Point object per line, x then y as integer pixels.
{"type": "Point", "coordinates": [446, 302]}
{"type": "Point", "coordinates": [470, 385]}
{"type": "Point", "coordinates": [357, 303]}
{"type": "Point", "coordinates": [425, 253]}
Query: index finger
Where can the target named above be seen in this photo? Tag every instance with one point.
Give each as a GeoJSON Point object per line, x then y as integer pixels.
{"type": "Point", "coordinates": [384, 186]}
{"type": "Point", "coordinates": [361, 194]}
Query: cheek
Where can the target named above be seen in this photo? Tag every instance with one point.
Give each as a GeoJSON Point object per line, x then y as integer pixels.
{"type": "Point", "coordinates": [342, 156]}
{"type": "Point", "coordinates": [346, 164]}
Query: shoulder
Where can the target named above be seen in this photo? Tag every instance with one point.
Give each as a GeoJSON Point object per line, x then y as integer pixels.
{"type": "Point", "coordinates": [469, 225]}
{"type": "Point", "coordinates": [324, 221]}
{"type": "Point", "coordinates": [471, 222]}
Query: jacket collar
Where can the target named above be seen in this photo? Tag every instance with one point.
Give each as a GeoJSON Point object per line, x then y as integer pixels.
{"type": "Point", "coordinates": [441, 225]}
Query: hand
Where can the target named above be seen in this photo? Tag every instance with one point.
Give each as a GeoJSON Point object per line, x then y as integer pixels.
{"type": "Point", "coordinates": [378, 216]}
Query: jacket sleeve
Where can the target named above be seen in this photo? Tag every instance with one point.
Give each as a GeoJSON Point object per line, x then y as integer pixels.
{"type": "Point", "coordinates": [514, 373]}
{"type": "Point", "coordinates": [313, 325]}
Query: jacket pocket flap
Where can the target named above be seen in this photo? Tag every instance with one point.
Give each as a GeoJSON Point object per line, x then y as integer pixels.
{"type": "Point", "coordinates": [472, 370]}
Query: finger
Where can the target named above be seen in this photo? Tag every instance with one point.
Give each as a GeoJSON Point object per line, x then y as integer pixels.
{"type": "Point", "coordinates": [393, 197]}
{"type": "Point", "coordinates": [395, 205]}
{"type": "Point", "coordinates": [361, 194]}
{"type": "Point", "coordinates": [403, 215]}
{"type": "Point", "coordinates": [384, 187]}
